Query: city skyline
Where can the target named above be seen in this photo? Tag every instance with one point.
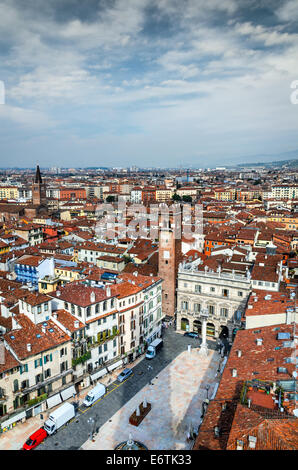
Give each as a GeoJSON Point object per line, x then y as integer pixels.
{"type": "Point", "coordinates": [153, 84]}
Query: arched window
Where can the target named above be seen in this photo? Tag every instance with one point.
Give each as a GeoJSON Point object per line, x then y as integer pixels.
{"type": "Point", "coordinates": [88, 312]}
{"type": "Point", "coordinates": [96, 308]}
{"type": "Point", "coordinates": [105, 305]}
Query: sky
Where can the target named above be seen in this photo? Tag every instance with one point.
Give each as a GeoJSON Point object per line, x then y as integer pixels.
{"type": "Point", "coordinates": [151, 83]}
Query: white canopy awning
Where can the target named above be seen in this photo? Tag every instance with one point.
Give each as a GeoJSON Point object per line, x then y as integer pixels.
{"type": "Point", "coordinates": [13, 419]}
{"type": "Point", "coordinates": [99, 374]}
{"type": "Point", "coordinates": [115, 365]}
{"type": "Point", "coordinates": [68, 392]}
{"type": "Point", "coordinates": [54, 400]}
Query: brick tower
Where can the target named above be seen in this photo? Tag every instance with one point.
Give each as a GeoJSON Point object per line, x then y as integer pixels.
{"type": "Point", "coordinates": [169, 257]}
{"type": "Point", "coordinates": [39, 197]}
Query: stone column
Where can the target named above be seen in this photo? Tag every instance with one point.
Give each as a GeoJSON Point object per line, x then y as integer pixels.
{"type": "Point", "coordinates": [203, 348]}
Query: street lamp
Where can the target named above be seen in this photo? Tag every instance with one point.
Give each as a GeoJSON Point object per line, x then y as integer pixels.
{"type": "Point", "coordinates": [207, 389]}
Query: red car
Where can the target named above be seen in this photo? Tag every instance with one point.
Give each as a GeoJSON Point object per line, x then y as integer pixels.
{"type": "Point", "coordinates": [35, 439]}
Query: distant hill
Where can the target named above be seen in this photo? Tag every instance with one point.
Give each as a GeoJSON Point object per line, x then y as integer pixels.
{"type": "Point", "coordinates": [278, 163]}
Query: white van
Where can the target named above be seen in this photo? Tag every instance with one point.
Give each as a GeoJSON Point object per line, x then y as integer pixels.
{"type": "Point", "coordinates": [98, 391]}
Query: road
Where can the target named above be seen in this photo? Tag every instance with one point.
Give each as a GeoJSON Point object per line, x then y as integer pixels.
{"type": "Point", "coordinates": [73, 435]}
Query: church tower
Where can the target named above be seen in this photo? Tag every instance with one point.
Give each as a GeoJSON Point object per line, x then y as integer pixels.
{"type": "Point", "coordinates": [39, 197]}
{"type": "Point", "coordinates": [169, 257]}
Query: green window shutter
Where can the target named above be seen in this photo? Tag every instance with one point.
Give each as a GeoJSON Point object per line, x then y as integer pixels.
{"type": "Point", "coordinates": [40, 361]}
{"type": "Point", "coordinates": [51, 357]}
{"type": "Point", "coordinates": [21, 369]}
{"type": "Point", "coordinates": [26, 367]}
{"type": "Point", "coordinates": [36, 363]}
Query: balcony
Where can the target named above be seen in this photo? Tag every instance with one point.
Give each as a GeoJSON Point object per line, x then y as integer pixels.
{"type": "Point", "coordinates": [32, 388]}
{"type": "Point", "coordinates": [93, 343]}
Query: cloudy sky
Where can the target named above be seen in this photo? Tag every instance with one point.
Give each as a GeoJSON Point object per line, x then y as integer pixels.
{"type": "Point", "coordinates": [162, 83]}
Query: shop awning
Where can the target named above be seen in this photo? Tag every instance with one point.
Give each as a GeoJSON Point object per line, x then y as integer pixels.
{"type": "Point", "coordinates": [54, 400]}
{"type": "Point", "coordinates": [99, 374]}
{"type": "Point", "coordinates": [68, 392]}
{"type": "Point", "coordinates": [115, 365]}
{"type": "Point", "coordinates": [13, 419]}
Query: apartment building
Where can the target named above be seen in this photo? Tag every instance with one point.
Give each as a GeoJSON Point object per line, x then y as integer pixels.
{"type": "Point", "coordinates": [9, 192]}
{"type": "Point", "coordinates": [38, 355]}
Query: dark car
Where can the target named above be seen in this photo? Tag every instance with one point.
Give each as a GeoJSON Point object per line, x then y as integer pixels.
{"type": "Point", "coordinates": [124, 375]}
{"type": "Point", "coordinates": [35, 439]}
{"type": "Point", "coordinates": [192, 334]}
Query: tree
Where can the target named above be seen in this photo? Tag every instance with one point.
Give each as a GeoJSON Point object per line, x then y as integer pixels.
{"type": "Point", "coordinates": [187, 198]}
{"type": "Point", "coordinates": [176, 197]}
{"type": "Point", "coordinates": [110, 199]}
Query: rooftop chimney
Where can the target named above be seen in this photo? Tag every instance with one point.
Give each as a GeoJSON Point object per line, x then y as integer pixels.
{"type": "Point", "coordinates": [76, 324]}
{"type": "Point", "coordinates": [239, 353]}
{"type": "Point", "coordinates": [43, 329]}
{"type": "Point", "coordinates": [234, 372]}
{"type": "Point", "coordinates": [259, 341]}
{"type": "Point", "coordinates": [28, 347]}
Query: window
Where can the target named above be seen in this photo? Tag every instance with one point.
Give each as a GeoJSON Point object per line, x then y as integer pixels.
{"type": "Point", "coordinates": [225, 293]}
{"type": "Point", "coordinates": [46, 306]}
{"type": "Point", "coordinates": [105, 347]}
{"type": "Point", "coordinates": [37, 363]}
{"type": "Point", "coordinates": [198, 288]}
{"type": "Point", "coordinates": [99, 349]}
{"type": "Point", "coordinates": [240, 293]}
{"type": "Point", "coordinates": [96, 308]}
{"type": "Point", "coordinates": [88, 311]}
{"type": "Point", "coordinates": [197, 307]}
{"type": "Point", "coordinates": [38, 308]}
{"type": "Point", "coordinates": [224, 312]}
{"type": "Point", "coordinates": [66, 305]}
{"type": "Point", "coordinates": [211, 309]}
{"type": "Point", "coordinates": [184, 305]}
{"type": "Point", "coordinates": [15, 385]}
{"type": "Point", "coordinates": [47, 373]}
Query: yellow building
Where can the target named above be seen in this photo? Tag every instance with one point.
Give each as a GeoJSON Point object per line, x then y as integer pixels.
{"type": "Point", "coordinates": [225, 194]}
{"type": "Point", "coordinates": [291, 223]}
{"type": "Point", "coordinates": [9, 192]}
{"type": "Point", "coordinates": [67, 273]}
{"type": "Point", "coordinates": [163, 195]}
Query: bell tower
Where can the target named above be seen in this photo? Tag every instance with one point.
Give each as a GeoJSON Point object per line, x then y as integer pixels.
{"type": "Point", "coordinates": [39, 197]}
{"type": "Point", "coordinates": [169, 257]}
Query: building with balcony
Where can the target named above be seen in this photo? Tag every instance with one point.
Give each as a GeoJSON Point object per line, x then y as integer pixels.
{"type": "Point", "coordinates": [223, 294]}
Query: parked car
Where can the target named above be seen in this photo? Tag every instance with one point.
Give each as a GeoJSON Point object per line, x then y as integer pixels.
{"type": "Point", "coordinates": [124, 375]}
{"type": "Point", "coordinates": [98, 391]}
{"type": "Point", "coordinates": [35, 439]}
{"type": "Point", "coordinates": [192, 334]}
